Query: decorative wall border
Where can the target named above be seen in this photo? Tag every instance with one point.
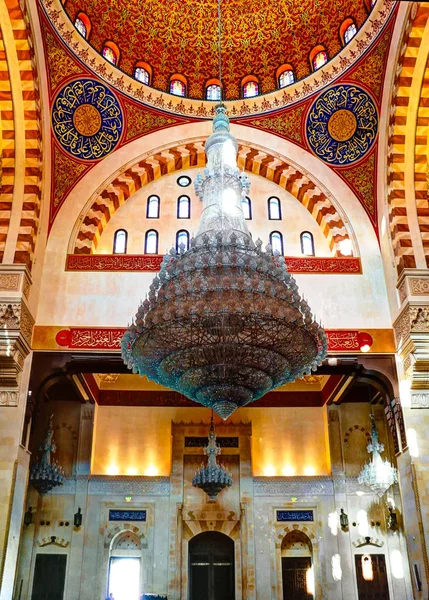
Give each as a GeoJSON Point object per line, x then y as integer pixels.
{"type": "Point", "coordinates": [162, 161]}
{"type": "Point", "coordinates": [348, 57]}
{"type": "Point", "coordinates": [152, 263]}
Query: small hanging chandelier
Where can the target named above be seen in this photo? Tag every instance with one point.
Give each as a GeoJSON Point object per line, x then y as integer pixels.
{"type": "Point", "coordinates": [212, 478]}
{"type": "Point", "coordinates": [378, 474]}
{"type": "Point", "coordinates": [45, 475]}
{"type": "Point", "coordinates": [223, 322]}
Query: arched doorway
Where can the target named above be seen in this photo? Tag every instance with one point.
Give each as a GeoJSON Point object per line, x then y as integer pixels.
{"type": "Point", "coordinates": [124, 567]}
{"type": "Point", "coordinates": [211, 567]}
{"type": "Point", "coordinates": [297, 567]}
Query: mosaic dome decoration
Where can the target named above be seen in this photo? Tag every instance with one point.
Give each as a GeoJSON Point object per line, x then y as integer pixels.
{"type": "Point", "coordinates": [180, 36]}
{"type": "Point", "coordinates": [87, 119]}
{"type": "Point", "coordinates": [342, 124]}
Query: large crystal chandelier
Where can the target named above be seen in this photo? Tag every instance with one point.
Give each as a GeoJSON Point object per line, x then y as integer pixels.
{"type": "Point", "coordinates": [223, 322]}
{"type": "Point", "coordinates": [212, 478]}
{"type": "Point", "coordinates": [46, 474]}
{"type": "Point", "coordinates": [378, 474]}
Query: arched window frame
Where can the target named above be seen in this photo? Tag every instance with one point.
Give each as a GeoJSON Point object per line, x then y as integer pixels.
{"type": "Point", "coordinates": [116, 52]}
{"type": "Point", "coordinates": [182, 199]}
{"type": "Point", "coordinates": [150, 199]}
{"type": "Point", "coordinates": [147, 68]}
{"type": "Point", "coordinates": [149, 233]}
{"type": "Point", "coordinates": [281, 72]}
{"type": "Point", "coordinates": [84, 19]}
{"type": "Point", "coordinates": [345, 28]}
{"type": "Point", "coordinates": [246, 202]}
{"type": "Point", "coordinates": [244, 83]}
{"type": "Point", "coordinates": [272, 200]}
{"type": "Point", "coordinates": [179, 234]}
{"type": "Point", "coordinates": [210, 84]}
{"type": "Point", "coordinates": [307, 235]}
{"type": "Point", "coordinates": [183, 81]}
{"type": "Point", "coordinates": [318, 50]}
{"type": "Point", "coordinates": [280, 238]}
{"type": "Point", "coordinates": [118, 232]}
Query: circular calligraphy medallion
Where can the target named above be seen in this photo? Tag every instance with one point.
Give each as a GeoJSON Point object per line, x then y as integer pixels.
{"type": "Point", "coordinates": [87, 119]}
{"type": "Point", "coordinates": [342, 124]}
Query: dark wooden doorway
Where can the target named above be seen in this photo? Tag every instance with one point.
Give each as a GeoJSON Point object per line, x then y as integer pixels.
{"type": "Point", "coordinates": [377, 588]}
{"type": "Point", "coordinates": [49, 577]}
{"type": "Point", "coordinates": [211, 567]}
{"type": "Point", "coordinates": [294, 575]}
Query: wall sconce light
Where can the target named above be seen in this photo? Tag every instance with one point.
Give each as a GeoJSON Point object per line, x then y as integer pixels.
{"type": "Point", "coordinates": [392, 519]}
{"type": "Point", "coordinates": [77, 520]}
{"type": "Point", "coordinates": [28, 517]}
{"type": "Point", "coordinates": [344, 520]}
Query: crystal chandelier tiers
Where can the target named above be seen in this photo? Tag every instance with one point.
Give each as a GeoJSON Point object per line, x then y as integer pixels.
{"type": "Point", "coordinates": [45, 475]}
{"type": "Point", "coordinates": [378, 474]}
{"type": "Point", "coordinates": [223, 322]}
{"type": "Point", "coordinates": [212, 478]}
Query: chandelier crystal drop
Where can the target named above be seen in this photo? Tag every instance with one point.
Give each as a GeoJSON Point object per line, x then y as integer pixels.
{"type": "Point", "coordinates": [378, 474]}
{"type": "Point", "coordinates": [212, 478]}
{"type": "Point", "coordinates": [45, 475]}
{"type": "Point", "coordinates": [223, 322]}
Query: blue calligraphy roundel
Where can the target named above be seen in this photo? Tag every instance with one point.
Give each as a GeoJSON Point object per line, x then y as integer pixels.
{"type": "Point", "coordinates": [87, 119]}
{"type": "Point", "coordinates": [342, 124]}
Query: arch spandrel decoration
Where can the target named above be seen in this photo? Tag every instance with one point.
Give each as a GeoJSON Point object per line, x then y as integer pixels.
{"type": "Point", "coordinates": [101, 209]}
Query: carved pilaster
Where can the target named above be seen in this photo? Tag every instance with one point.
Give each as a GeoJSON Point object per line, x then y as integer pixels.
{"type": "Point", "coordinates": [16, 327]}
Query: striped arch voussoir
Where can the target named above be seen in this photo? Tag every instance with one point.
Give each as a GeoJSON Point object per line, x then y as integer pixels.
{"type": "Point", "coordinates": [192, 155]}
{"type": "Point", "coordinates": [403, 135]}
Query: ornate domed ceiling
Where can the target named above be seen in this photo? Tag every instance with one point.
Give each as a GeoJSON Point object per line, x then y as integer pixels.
{"type": "Point", "coordinates": [180, 36]}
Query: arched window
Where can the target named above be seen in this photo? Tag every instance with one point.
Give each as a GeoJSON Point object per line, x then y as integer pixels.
{"type": "Point", "coordinates": [246, 203]}
{"type": "Point", "coordinates": [274, 209]}
{"type": "Point", "coordinates": [178, 85]}
{"type": "Point", "coordinates": [152, 210]}
{"type": "Point", "coordinates": [318, 57]}
{"type": "Point", "coordinates": [307, 243]}
{"type": "Point", "coordinates": [182, 240]}
{"type": "Point", "coordinates": [142, 75]}
{"type": "Point", "coordinates": [111, 52]}
{"type": "Point", "coordinates": [285, 76]}
{"type": "Point", "coordinates": [250, 88]}
{"type": "Point", "coordinates": [120, 242]}
{"type": "Point", "coordinates": [350, 33]}
{"type": "Point", "coordinates": [183, 207]}
{"type": "Point", "coordinates": [151, 242]}
{"type": "Point", "coordinates": [348, 30]}
{"type": "Point", "coordinates": [124, 566]}
{"type": "Point", "coordinates": [276, 241]}
{"type": "Point", "coordinates": [213, 92]}
{"type": "Point", "coordinates": [83, 24]}
{"type": "Point", "coordinates": [297, 565]}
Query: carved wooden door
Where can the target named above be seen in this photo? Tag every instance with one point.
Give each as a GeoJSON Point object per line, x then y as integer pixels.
{"type": "Point", "coordinates": [294, 575]}
{"type": "Point", "coordinates": [211, 567]}
{"type": "Point", "coordinates": [376, 588]}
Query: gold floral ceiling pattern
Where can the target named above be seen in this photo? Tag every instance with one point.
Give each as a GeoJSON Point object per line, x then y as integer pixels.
{"type": "Point", "coordinates": [180, 36]}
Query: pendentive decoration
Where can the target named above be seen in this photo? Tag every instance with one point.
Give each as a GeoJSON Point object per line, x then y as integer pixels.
{"type": "Point", "coordinates": [342, 124]}
{"type": "Point", "coordinates": [46, 474]}
{"type": "Point", "coordinates": [87, 119]}
{"type": "Point", "coordinates": [378, 474]}
{"type": "Point", "coordinates": [223, 322]}
{"type": "Point", "coordinates": [213, 477]}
